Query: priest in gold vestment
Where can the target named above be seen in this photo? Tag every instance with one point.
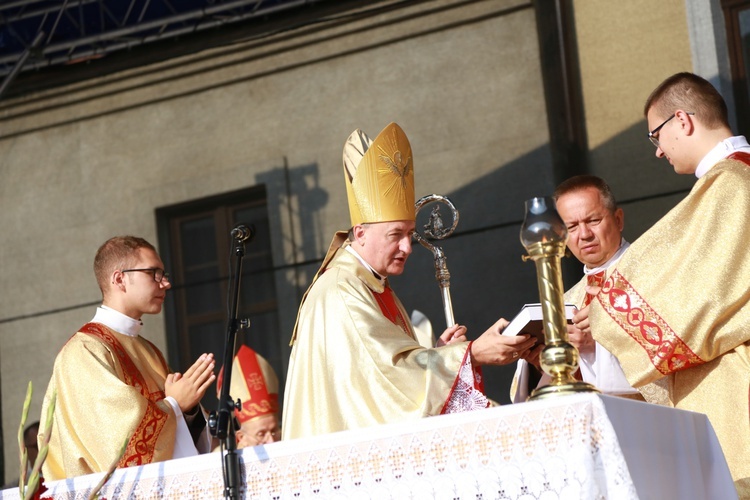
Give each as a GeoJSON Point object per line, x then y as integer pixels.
{"type": "Point", "coordinates": [113, 388]}
{"type": "Point", "coordinates": [676, 309]}
{"type": "Point", "coordinates": [355, 360]}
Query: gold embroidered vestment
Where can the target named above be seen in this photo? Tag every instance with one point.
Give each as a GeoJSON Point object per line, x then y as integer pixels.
{"type": "Point", "coordinates": [110, 388]}
{"type": "Point", "coordinates": [676, 310]}
{"type": "Point", "coordinates": [351, 366]}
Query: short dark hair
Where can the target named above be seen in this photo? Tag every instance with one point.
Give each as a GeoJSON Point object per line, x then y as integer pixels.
{"type": "Point", "coordinates": [690, 93]}
{"type": "Point", "coordinates": [580, 182]}
{"type": "Point", "coordinates": [119, 252]}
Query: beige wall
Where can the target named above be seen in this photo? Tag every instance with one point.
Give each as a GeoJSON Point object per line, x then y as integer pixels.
{"type": "Point", "coordinates": [622, 59]}
{"type": "Point", "coordinates": [83, 163]}
{"type": "Point", "coordinates": [86, 162]}
{"type": "Point", "coordinates": [625, 50]}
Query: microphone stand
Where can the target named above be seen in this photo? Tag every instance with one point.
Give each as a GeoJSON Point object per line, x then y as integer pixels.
{"type": "Point", "coordinates": [224, 427]}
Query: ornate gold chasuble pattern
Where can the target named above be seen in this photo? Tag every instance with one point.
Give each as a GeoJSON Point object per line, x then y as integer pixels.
{"type": "Point", "coordinates": [110, 388]}
{"type": "Point", "coordinates": [140, 448]}
{"type": "Point", "coordinates": [676, 310]}
{"type": "Point", "coordinates": [351, 366]}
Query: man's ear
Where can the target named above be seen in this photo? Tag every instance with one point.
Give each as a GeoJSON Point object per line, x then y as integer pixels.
{"type": "Point", "coordinates": [686, 122]}
{"type": "Point", "coordinates": [620, 218]}
{"type": "Point", "coordinates": [239, 435]}
{"type": "Point", "coordinates": [358, 232]}
{"type": "Point", "coordinates": [118, 278]}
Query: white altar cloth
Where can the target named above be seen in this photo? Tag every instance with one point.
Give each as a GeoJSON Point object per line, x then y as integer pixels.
{"type": "Point", "coordinates": [584, 446]}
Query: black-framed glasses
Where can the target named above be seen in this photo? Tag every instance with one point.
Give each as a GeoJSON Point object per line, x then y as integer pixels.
{"type": "Point", "coordinates": [652, 135]}
{"type": "Point", "coordinates": [158, 274]}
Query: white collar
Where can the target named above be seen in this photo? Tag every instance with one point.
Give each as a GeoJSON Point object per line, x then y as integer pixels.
{"type": "Point", "coordinates": [352, 251]}
{"type": "Point", "coordinates": [117, 321]}
{"type": "Point", "coordinates": [721, 151]}
{"type": "Point", "coordinates": [612, 261]}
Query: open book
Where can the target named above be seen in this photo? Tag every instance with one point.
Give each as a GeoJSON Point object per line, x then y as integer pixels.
{"type": "Point", "coordinates": [530, 320]}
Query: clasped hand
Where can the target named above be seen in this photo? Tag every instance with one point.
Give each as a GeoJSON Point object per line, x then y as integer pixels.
{"type": "Point", "coordinates": [188, 388]}
{"type": "Point", "coordinates": [579, 333]}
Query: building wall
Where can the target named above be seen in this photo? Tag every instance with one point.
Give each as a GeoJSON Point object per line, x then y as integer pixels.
{"type": "Point", "coordinates": [625, 51]}
{"type": "Point", "coordinates": [85, 162]}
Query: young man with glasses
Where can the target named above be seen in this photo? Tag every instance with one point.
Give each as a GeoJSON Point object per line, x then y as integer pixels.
{"type": "Point", "coordinates": [113, 386]}
{"type": "Point", "coordinates": [676, 309]}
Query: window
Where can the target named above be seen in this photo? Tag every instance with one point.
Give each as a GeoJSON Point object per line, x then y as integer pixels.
{"type": "Point", "coordinates": [198, 251]}
{"type": "Point", "coordinates": [737, 19]}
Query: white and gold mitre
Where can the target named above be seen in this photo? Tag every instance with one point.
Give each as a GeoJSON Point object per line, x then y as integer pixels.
{"type": "Point", "coordinates": [379, 176]}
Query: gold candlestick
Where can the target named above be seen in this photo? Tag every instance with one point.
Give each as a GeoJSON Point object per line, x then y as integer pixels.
{"type": "Point", "coordinates": [544, 235]}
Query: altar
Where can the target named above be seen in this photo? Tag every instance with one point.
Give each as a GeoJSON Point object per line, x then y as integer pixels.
{"type": "Point", "coordinates": [585, 446]}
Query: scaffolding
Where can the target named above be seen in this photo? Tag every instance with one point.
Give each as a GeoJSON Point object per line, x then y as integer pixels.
{"type": "Point", "coordinates": [36, 34]}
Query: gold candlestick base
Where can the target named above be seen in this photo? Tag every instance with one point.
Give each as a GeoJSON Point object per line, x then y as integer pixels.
{"type": "Point", "coordinates": [560, 361]}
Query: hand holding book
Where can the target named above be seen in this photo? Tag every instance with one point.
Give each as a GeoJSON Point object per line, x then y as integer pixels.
{"type": "Point", "coordinates": [530, 320]}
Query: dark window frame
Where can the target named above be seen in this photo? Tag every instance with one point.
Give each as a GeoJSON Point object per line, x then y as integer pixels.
{"type": "Point", "coordinates": [221, 208]}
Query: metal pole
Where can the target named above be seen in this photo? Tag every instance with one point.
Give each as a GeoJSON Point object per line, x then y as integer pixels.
{"type": "Point", "coordinates": [21, 61]}
{"type": "Point", "coordinates": [123, 32]}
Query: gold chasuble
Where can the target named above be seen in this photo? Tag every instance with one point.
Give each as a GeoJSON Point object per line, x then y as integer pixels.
{"type": "Point", "coordinates": [351, 366]}
{"type": "Point", "coordinates": [355, 360]}
{"type": "Point", "coordinates": [676, 310]}
{"type": "Point", "coordinates": [110, 389]}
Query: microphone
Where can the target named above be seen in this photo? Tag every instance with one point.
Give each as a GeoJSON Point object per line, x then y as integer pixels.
{"type": "Point", "coordinates": [243, 232]}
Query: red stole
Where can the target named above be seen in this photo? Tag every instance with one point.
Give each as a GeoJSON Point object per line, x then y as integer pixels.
{"type": "Point", "coordinates": [596, 279]}
{"type": "Point", "coordinates": [459, 398]}
{"type": "Point", "coordinates": [740, 156]}
{"type": "Point", "coordinates": [140, 449]}
{"type": "Point", "coordinates": [390, 310]}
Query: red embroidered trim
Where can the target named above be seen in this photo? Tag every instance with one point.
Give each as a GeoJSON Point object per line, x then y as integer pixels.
{"type": "Point", "coordinates": [471, 391]}
{"type": "Point", "coordinates": [259, 401]}
{"type": "Point", "coordinates": [626, 307]}
{"type": "Point", "coordinates": [140, 449]}
{"type": "Point", "coordinates": [593, 280]}
{"type": "Point", "coordinates": [478, 376]}
{"type": "Point", "coordinates": [265, 407]}
{"type": "Point", "coordinates": [455, 382]}
{"type": "Point", "coordinates": [740, 156]}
